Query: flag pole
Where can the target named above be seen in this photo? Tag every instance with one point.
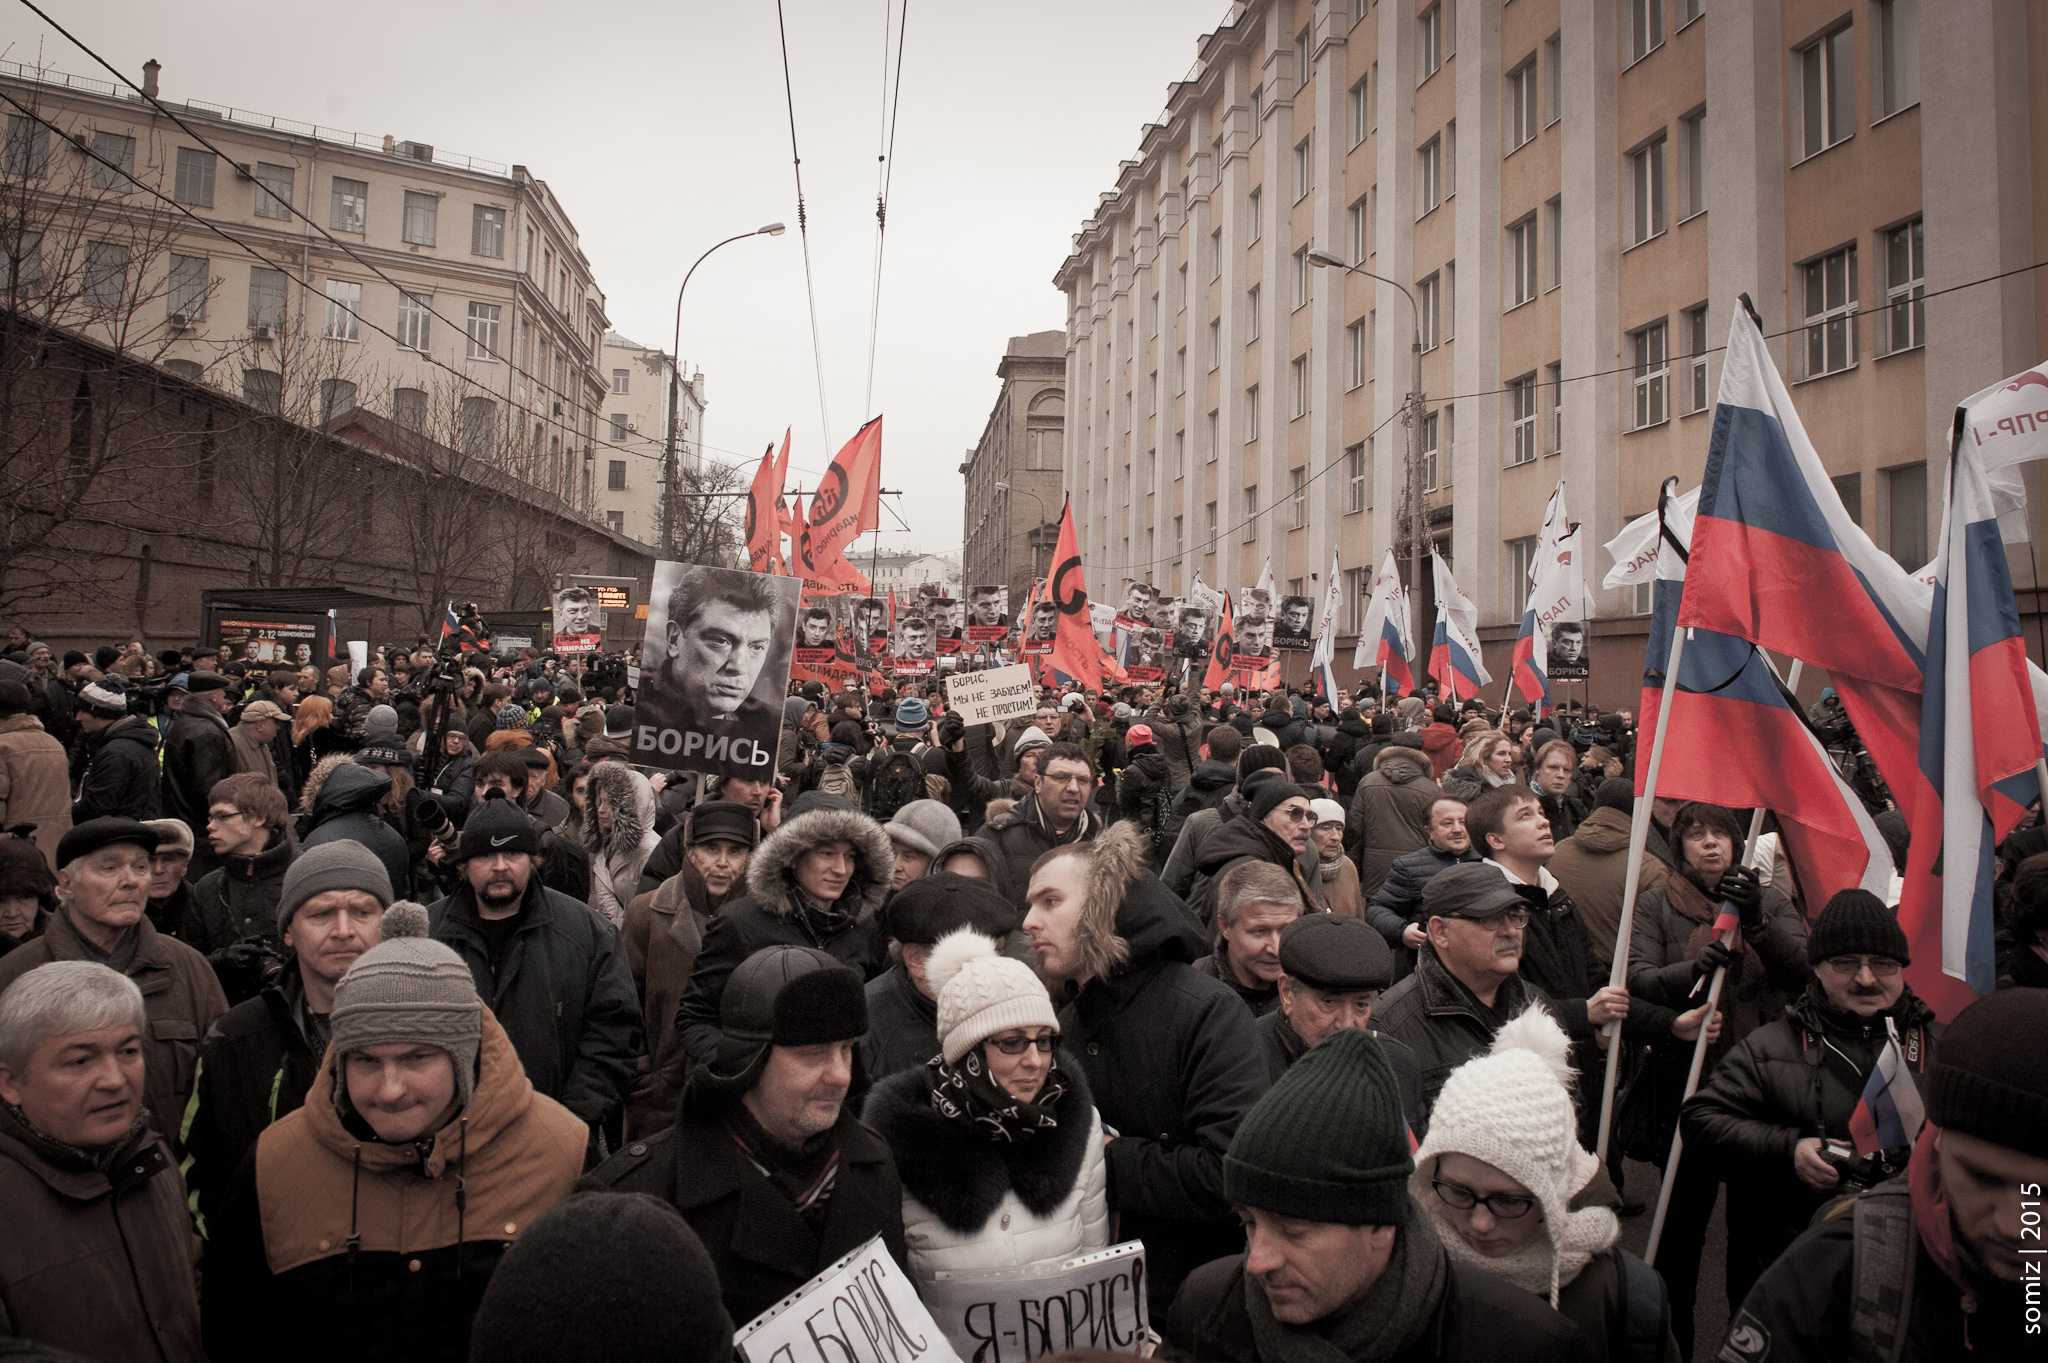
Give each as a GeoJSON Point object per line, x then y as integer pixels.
{"type": "Point", "coordinates": [1638, 842]}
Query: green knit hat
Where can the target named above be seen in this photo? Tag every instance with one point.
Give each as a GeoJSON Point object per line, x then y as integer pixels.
{"type": "Point", "coordinates": [1327, 1142]}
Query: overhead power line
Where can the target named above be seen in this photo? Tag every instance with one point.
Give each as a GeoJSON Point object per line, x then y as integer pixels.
{"type": "Point", "coordinates": [802, 227]}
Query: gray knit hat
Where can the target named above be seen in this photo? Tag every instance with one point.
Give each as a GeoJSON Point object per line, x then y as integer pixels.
{"type": "Point", "coordinates": [409, 989]}
{"type": "Point", "coordinates": [924, 825]}
{"type": "Point", "coordinates": [338, 865]}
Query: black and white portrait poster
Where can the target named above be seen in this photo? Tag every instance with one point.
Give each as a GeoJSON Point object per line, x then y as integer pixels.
{"type": "Point", "coordinates": [714, 669]}
{"type": "Point", "coordinates": [988, 614]}
{"type": "Point", "coordinates": [579, 624]}
{"type": "Point", "coordinates": [1140, 604]}
{"type": "Point", "coordinates": [1146, 658]}
{"type": "Point", "coordinates": [1194, 629]}
{"type": "Point", "coordinates": [1569, 659]}
{"type": "Point", "coordinates": [817, 637]}
{"type": "Point", "coordinates": [914, 649]}
{"type": "Point", "coordinates": [1291, 624]}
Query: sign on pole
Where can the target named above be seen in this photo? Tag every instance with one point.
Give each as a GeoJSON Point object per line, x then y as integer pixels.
{"type": "Point", "coordinates": [1014, 1315]}
{"type": "Point", "coordinates": [992, 696]}
{"type": "Point", "coordinates": [860, 1310]}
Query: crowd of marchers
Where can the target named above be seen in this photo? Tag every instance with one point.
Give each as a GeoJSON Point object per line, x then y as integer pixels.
{"type": "Point", "coordinates": [393, 1012]}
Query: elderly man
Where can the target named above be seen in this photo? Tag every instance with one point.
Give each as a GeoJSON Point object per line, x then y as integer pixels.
{"type": "Point", "coordinates": [99, 1260]}
{"type": "Point", "coordinates": [1254, 904]}
{"type": "Point", "coordinates": [1333, 969]}
{"type": "Point", "coordinates": [199, 753]}
{"type": "Point", "coordinates": [103, 885]}
{"type": "Point", "coordinates": [552, 971]}
{"type": "Point", "coordinates": [253, 737]}
{"type": "Point", "coordinates": [170, 894]}
{"type": "Point", "coordinates": [916, 832]}
{"type": "Point", "coordinates": [259, 1059]}
{"type": "Point", "coordinates": [1396, 907]}
{"type": "Point", "coordinates": [1337, 1263]}
{"type": "Point", "coordinates": [1274, 830]}
{"type": "Point", "coordinates": [766, 1161]}
{"type": "Point", "coordinates": [903, 1009]}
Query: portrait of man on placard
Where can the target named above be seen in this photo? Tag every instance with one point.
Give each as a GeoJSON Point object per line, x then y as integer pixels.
{"type": "Point", "coordinates": [988, 613]}
{"type": "Point", "coordinates": [575, 611]}
{"type": "Point", "coordinates": [1257, 608]}
{"type": "Point", "coordinates": [1141, 599]}
{"type": "Point", "coordinates": [1568, 659]}
{"type": "Point", "coordinates": [914, 636]}
{"type": "Point", "coordinates": [945, 617]}
{"type": "Point", "coordinates": [817, 627]}
{"type": "Point", "coordinates": [1045, 623]}
{"type": "Point", "coordinates": [714, 668]}
{"type": "Point", "coordinates": [1290, 630]}
{"type": "Point", "coordinates": [1191, 630]}
{"type": "Point", "coordinates": [1148, 649]}
{"type": "Point", "coordinates": [1254, 639]}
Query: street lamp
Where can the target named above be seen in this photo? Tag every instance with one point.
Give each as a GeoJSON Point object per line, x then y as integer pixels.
{"type": "Point", "coordinates": [668, 454]}
{"type": "Point", "coordinates": [1319, 257]}
{"type": "Point", "coordinates": [1006, 488]}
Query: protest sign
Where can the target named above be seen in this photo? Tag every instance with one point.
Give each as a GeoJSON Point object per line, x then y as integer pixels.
{"type": "Point", "coordinates": [358, 657]}
{"type": "Point", "coordinates": [860, 1310]}
{"type": "Point", "coordinates": [1141, 599]}
{"type": "Point", "coordinates": [1096, 1301]}
{"type": "Point", "coordinates": [1291, 624]}
{"type": "Point", "coordinates": [1569, 658]}
{"type": "Point", "coordinates": [988, 614]}
{"type": "Point", "coordinates": [714, 670]}
{"type": "Point", "coordinates": [993, 696]}
{"type": "Point", "coordinates": [578, 620]}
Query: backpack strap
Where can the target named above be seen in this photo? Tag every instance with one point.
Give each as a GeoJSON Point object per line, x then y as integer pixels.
{"type": "Point", "coordinates": [1645, 1310]}
{"type": "Point", "coordinates": [1881, 1295]}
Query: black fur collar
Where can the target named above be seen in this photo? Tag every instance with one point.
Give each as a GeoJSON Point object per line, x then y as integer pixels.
{"type": "Point", "coordinates": [962, 1177]}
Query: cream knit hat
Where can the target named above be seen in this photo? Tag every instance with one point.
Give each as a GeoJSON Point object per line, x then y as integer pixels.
{"type": "Point", "coordinates": [1512, 1108]}
{"type": "Point", "coordinates": [982, 992]}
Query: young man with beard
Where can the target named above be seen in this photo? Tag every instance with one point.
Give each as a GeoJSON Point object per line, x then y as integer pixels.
{"type": "Point", "coordinates": [552, 970]}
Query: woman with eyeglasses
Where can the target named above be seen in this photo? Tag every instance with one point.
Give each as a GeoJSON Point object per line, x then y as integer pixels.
{"type": "Point", "coordinates": [996, 1138]}
{"type": "Point", "coordinates": [1509, 1190]}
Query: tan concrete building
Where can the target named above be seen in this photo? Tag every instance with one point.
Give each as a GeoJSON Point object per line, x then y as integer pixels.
{"type": "Point", "coordinates": [1013, 474]}
{"type": "Point", "coordinates": [635, 426]}
{"type": "Point", "coordinates": [1575, 193]}
{"type": "Point", "coordinates": [445, 291]}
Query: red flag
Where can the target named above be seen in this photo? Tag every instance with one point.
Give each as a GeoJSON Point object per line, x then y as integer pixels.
{"type": "Point", "coordinates": [763, 540]}
{"type": "Point", "coordinates": [892, 610]}
{"type": "Point", "coordinates": [1074, 649]}
{"type": "Point", "coordinates": [1223, 650]}
{"type": "Point", "coordinates": [849, 500]}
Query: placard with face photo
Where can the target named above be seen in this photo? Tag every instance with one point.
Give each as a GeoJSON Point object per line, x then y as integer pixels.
{"type": "Point", "coordinates": [578, 621]}
{"type": "Point", "coordinates": [1194, 629]}
{"type": "Point", "coordinates": [817, 640]}
{"type": "Point", "coordinates": [944, 613]}
{"type": "Point", "coordinates": [988, 613]}
{"type": "Point", "coordinates": [1571, 655]}
{"type": "Point", "coordinates": [714, 669]}
{"type": "Point", "coordinates": [1139, 607]}
{"type": "Point", "coordinates": [1292, 623]}
{"type": "Point", "coordinates": [914, 647]}
{"type": "Point", "coordinates": [1147, 657]}
{"type": "Point", "coordinates": [871, 624]}
{"type": "Point", "coordinates": [1042, 627]}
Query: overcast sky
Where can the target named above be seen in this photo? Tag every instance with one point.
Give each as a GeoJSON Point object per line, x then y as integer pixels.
{"type": "Point", "coordinates": [663, 128]}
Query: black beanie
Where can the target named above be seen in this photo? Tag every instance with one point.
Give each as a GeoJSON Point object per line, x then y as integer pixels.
{"type": "Point", "coordinates": [1617, 793]}
{"type": "Point", "coordinates": [1259, 757]}
{"type": "Point", "coordinates": [563, 1293]}
{"type": "Point", "coordinates": [1263, 794]}
{"type": "Point", "coordinates": [928, 908]}
{"type": "Point", "coordinates": [1990, 1074]}
{"type": "Point", "coordinates": [1857, 923]}
{"type": "Point", "coordinates": [498, 825]}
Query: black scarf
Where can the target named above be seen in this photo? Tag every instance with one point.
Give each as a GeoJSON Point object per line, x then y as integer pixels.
{"type": "Point", "coordinates": [827, 921]}
{"type": "Point", "coordinates": [965, 1092]}
{"type": "Point", "coordinates": [805, 1175]}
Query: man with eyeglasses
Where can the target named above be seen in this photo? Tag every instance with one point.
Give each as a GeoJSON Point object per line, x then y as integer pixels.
{"type": "Point", "coordinates": [1055, 814]}
{"type": "Point", "coordinates": [1776, 1116]}
{"type": "Point", "coordinates": [1275, 827]}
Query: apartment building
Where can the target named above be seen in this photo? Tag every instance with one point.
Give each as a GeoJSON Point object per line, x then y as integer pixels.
{"type": "Point", "coordinates": [442, 290]}
{"type": "Point", "coordinates": [1012, 516]}
{"type": "Point", "coordinates": [1574, 194]}
{"type": "Point", "coordinates": [635, 429]}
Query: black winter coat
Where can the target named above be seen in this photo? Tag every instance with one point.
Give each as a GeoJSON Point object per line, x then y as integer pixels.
{"type": "Point", "coordinates": [1444, 1023]}
{"type": "Point", "coordinates": [1398, 901]}
{"type": "Point", "coordinates": [564, 995]}
{"type": "Point", "coordinates": [1144, 794]}
{"type": "Point", "coordinates": [197, 754]}
{"type": "Point", "coordinates": [902, 1025]}
{"type": "Point", "coordinates": [349, 808]}
{"type": "Point", "coordinates": [762, 1247]}
{"type": "Point", "coordinates": [254, 1066]}
{"type": "Point", "coordinates": [1243, 839]}
{"type": "Point", "coordinates": [122, 776]}
{"type": "Point", "coordinates": [1180, 741]}
{"type": "Point", "coordinates": [1341, 752]}
{"type": "Point", "coordinates": [1205, 789]}
{"type": "Point", "coordinates": [1022, 834]}
{"type": "Point", "coordinates": [237, 902]}
{"type": "Point", "coordinates": [1282, 1047]}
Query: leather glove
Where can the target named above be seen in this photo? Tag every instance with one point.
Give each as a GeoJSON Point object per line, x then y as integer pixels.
{"type": "Point", "coordinates": [952, 729]}
{"type": "Point", "coordinates": [1713, 956]}
{"type": "Point", "coordinates": [1743, 887]}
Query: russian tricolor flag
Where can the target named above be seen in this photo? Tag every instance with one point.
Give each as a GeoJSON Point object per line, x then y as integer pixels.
{"type": "Point", "coordinates": [1454, 652]}
{"type": "Point", "coordinates": [1382, 636]}
{"type": "Point", "coordinates": [1890, 1113]}
{"type": "Point", "coordinates": [1532, 643]}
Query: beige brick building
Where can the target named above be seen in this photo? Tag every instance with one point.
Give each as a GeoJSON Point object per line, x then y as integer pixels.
{"type": "Point", "coordinates": [1575, 192]}
{"type": "Point", "coordinates": [1011, 529]}
{"type": "Point", "coordinates": [635, 426]}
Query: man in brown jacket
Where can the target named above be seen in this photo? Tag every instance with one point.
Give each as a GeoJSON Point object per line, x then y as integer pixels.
{"type": "Point", "coordinates": [1389, 814]}
{"type": "Point", "coordinates": [103, 886]}
{"type": "Point", "coordinates": [35, 772]}
{"type": "Point", "coordinates": [1592, 865]}
{"type": "Point", "coordinates": [99, 1259]}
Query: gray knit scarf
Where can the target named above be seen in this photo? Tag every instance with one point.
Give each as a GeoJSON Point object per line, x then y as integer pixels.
{"type": "Point", "coordinates": [1393, 1315]}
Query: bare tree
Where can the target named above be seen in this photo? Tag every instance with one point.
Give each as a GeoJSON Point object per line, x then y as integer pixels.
{"type": "Point", "coordinates": [709, 515]}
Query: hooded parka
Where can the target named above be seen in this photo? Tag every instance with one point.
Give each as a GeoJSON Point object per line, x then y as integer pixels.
{"type": "Point", "coordinates": [123, 778]}
{"type": "Point", "coordinates": [1389, 814]}
{"type": "Point", "coordinates": [617, 857]}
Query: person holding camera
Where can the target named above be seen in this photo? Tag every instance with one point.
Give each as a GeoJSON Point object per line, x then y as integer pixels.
{"type": "Point", "coordinates": [1776, 1114]}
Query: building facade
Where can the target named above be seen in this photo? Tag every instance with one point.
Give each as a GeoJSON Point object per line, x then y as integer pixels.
{"type": "Point", "coordinates": [1013, 473]}
{"type": "Point", "coordinates": [1574, 194]}
{"type": "Point", "coordinates": [635, 425]}
{"type": "Point", "coordinates": [901, 573]}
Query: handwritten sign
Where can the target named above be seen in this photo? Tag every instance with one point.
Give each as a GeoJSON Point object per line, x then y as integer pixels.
{"type": "Point", "coordinates": [1013, 1316]}
{"type": "Point", "coordinates": [860, 1310]}
{"type": "Point", "coordinates": [989, 697]}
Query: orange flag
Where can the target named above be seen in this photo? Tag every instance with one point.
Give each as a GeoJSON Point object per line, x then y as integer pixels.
{"type": "Point", "coordinates": [764, 525]}
{"type": "Point", "coordinates": [849, 500]}
{"type": "Point", "coordinates": [833, 576]}
{"type": "Point", "coordinates": [1222, 650]}
{"type": "Point", "coordinates": [1074, 649]}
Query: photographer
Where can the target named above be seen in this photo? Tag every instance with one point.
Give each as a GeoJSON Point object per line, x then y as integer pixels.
{"type": "Point", "coordinates": [1775, 1116]}
{"type": "Point", "coordinates": [232, 920]}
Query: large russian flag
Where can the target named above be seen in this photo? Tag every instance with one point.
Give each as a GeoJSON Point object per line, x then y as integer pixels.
{"type": "Point", "coordinates": [1382, 638]}
{"type": "Point", "coordinates": [1454, 652]}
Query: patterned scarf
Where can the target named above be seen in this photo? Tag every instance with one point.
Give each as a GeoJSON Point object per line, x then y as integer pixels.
{"type": "Point", "coordinates": [969, 1095]}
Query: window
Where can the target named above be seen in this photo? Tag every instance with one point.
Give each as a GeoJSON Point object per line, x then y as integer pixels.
{"type": "Point", "coordinates": [1254, 209]}
{"type": "Point", "coordinates": [337, 398]}
{"type": "Point", "coordinates": [409, 407]}
{"type": "Point", "coordinates": [1646, 177]}
{"type": "Point", "coordinates": [273, 190]}
{"type": "Point", "coordinates": [415, 320]}
{"type": "Point", "coordinates": [1356, 588]}
{"type": "Point", "coordinates": [1522, 249]}
{"type": "Point", "coordinates": [615, 521]}
{"type": "Point", "coordinates": [344, 301]}
{"type": "Point", "coordinates": [483, 331]}
{"type": "Point", "coordinates": [615, 477]}
{"type": "Point", "coordinates": [1304, 167]}
{"type": "Point", "coordinates": [1152, 393]}
{"type": "Point", "coordinates": [1298, 386]}
{"type": "Point", "coordinates": [121, 151]}
{"type": "Point", "coordinates": [1651, 371]}
{"type": "Point", "coordinates": [1302, 56]}
{"type": "Point", "coordinates": [1354, 479]}
{"type": "Point", "coordinates": [620, 378]}
{"type": "Point", "coordinates": [1179, 536]}
{"type": "Point", "coordinates": [1429, 167]}
{"type": "Point", "coordinates": [1646, 21]}
{"type": "Point", "coordinates": [1426, 300]}
{"type": "Point", "coordinates": [1216, 254]}
{"type": "Point", "coordinates": [1181, 302]}
{"type": "Point", "coordinates": [1693, 147]}
{"type": "Point", "coordinates": [618, 426]}
{"type": "Point", "coordinates": [1215, 344]}
{"type": "Point", "coordinates": [1450, 294]}
{"type": "Point", "coordinates": [106, 274]}
{"type": "Point", "coordinates": [1553, 213]}
{"type": "Point", "coordinates": [1209, 512]}
{"type": "Point", "coordinates": [1251, 309]}
{"type": "Point", "coordinates": [22, 265]}
{"type": "Point", "coordinates": [1356, 222]}
{"type": "Point", "coordinates": [187, 293]}
{"type": "Point", "coordinates": [1251, 414]}
{"type": "Point", "coordinates": [1553, 78]}
{"type": "Point", "coordinates": [1906, 487]}
{"type": "Point", "coordinates": [1522, 447]}
{"type": "Point", "coordinates": [347, 205]}
{"type": "Point", "coordinates": [487, 232]}
{"type": "Point", "coordinates": [1450, 158]}
{"type": "Point", "coordinates": [184, 369]}
{"type": "Point", "coordinates": [1450, 415]}
{"type": "Point", "coordinates": [1180, 454]}
{"type": "Point", "coordinates": [1180, 370]}
{"type": "Point", "coordinates": [1429, 43]}
{"type": "Point", "coordinates": [1905, 284]}
{"type": "Point", "coordinates": [1357, 354]}
{"type": "Point", "coordinates": [1370, 442]}
{"type": "Point", "coordinates": [1301, 277]}
{"type": "Point", "coordinates": [1695, 324]}
{"type": "Point", "coordinates": [1297, 497]}
{"type": "Point", "coordinates": [1521, 120]}
{"type": "Point", "coordinates": [1849, 487]}
{"type": "Point", "coordinates": [28, 147]}
{"type": "Point", "coordinates": [1553, 384]}
{"type": "Point", "coordinates": [1689, 10]}
{"type": "Point", "coordinates": [1258, 112]}
{"type": "Point", "coordinates": [1830, 293]}
{"type": "Point", "coordinates": [266, 298]}
{"type": "Point", "coordinates": [1516, 560]}
{"type": "Point", "coordinates": [263, 388]}
{"type": "Point", "coordinates": [194, 183]}
{"type": "Point", "coordinates": [1251, 514]}
{"type": "Point", "coordinates": [1898, 55]}
{"type": "Point", "coordinates": [1827, 91]}
{"type": "Point", "coordinates": [421, 211]}
{"type": "Point", "coordinates": [1360, 105]}
{"type": "Point", "coordinates": [1428, 458]}
{"type": "Point", "coordinates": [1215, 437]}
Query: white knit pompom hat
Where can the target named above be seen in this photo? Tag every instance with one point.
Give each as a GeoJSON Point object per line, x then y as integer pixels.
{"type": "Point", "coordinates": [1512, 1108]}
{"type": "Point", "coordinates": [982, 992]}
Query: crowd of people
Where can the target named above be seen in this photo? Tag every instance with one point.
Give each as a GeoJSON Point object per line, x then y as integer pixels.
{"type": "Point", "coordinates": [394, 1012]}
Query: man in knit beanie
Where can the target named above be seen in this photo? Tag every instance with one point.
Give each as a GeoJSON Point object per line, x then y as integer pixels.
{"type": "Point", "coordinates": [1780, 1127]}
{"type": "Point", "coordinates": [1937, 1263]}
{"type": "Point", "coordinates": [1274, 828]}
{"type": "Point", "coordinates": [1337, 1266]}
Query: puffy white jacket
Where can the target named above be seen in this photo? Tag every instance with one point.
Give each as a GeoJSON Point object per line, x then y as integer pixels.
{"type": "Point", "coordinates": [617, 857]}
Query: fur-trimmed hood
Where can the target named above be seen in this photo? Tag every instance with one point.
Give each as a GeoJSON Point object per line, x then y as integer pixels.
{"type": "Point", "coordinates": [1397, 765]}
{"type": "Point", "coordinates": [1130, 918]}
{"type": "Point", "coordinates": [633, 811]}
{"type": "Point", "coordinates": [769, 881]}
